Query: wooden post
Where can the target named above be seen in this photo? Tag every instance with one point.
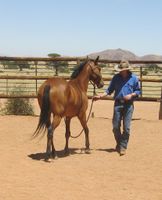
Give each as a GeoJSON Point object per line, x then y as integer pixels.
{"type": "Point", "coordinates": [94, 93]}
{"type": "Point", "coordinates": [36, 73]}
{"type": "Point", "coordinates": [78, 62]}
{"type": "Point", "coordinates": [7, 86]}
{"type": "Point", "coordinates": [56, 71]}
{"type": "Point", "coordinates": [141, 80]}
{"type": "Point", "coordinates": [160, 109]}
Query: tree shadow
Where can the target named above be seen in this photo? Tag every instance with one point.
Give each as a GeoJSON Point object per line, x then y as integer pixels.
{"type": "Point", "coordinates": [59, 154]}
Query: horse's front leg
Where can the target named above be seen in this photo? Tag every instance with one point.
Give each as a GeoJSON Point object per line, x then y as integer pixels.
{"type": "Point", "coordinates": [67, 135]}
{"type": "Point", "coordinates": [83, 122]}
{"type": "Point", "coordinates": [86, 130]}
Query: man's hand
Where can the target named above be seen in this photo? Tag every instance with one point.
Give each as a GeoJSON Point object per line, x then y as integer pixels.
{"type": "Point", "coordinates": [129, 96]}
{"type": "Point", "coordinates": [97, 97]}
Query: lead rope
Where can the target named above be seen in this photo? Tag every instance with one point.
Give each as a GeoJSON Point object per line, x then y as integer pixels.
{"type": "Point", "coordinates": [74, 137]}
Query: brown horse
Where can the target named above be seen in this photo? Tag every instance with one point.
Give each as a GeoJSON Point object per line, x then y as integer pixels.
{"type": "Point", "coordinates": [66, 99]}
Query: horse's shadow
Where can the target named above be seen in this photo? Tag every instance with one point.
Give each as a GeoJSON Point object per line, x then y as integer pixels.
{"type": "Point", "coordinates": [59, 154]}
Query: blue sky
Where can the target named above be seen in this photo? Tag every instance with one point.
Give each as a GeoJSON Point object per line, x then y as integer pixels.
{"type": "Point", "coordinates": [79, 27]}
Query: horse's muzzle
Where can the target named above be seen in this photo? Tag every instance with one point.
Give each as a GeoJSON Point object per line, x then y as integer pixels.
{"type": "Point", "coordinates": [101, 84]}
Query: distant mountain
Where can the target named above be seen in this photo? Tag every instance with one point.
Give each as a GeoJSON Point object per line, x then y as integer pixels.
{"type": "Point", "coordinates": [120, 54]}
{"type": "Point", "coordinates": [151, 57]}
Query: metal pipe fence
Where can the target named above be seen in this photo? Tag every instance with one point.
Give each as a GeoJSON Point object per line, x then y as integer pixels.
{"type": "Point", "coordinates": [21, 77]}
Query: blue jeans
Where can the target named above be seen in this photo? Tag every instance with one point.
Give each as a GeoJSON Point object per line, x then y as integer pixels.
{"type": "Point", "coordinates": [122, 112]}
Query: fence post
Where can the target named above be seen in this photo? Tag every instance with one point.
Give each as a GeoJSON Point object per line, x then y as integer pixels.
{"type": "Point", "coordinates": [36, 72]}
{"type": "Point", "coordinates": [78, 62]}
{"type": "Point", "coordinates": [94, 93]}
{"type": "Point", "coordinates": [160, 109]}
{"type": "Point", "coordinates": [7, 86]}
{"type": "Point", "coordinates": [56, 71]}
{"type": "Point", "coordinates": [141, 80]}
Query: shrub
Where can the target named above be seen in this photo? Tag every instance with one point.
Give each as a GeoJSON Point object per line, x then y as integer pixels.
{"type": "Point", "coordinates": [10, 65]}
{"type": "Point", "coordinates": [145, 72]}
{"type": "Point", "coordinates": [18, 106]}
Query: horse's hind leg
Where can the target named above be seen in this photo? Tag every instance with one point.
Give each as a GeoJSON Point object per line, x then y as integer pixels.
{"type": "Point", "coordinates": [83, 122]}
{"type": "Point", "coordinates": [67, 134]}
{"type": "Point", "coordinates": [50, 144]}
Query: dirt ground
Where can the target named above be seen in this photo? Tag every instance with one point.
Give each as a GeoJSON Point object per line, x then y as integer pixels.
{"type": "Point", "coordinates": [101, 175]}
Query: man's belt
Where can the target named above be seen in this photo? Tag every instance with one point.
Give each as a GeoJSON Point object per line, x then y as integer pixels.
{"type": "Point", "coordinates": [122, 101]}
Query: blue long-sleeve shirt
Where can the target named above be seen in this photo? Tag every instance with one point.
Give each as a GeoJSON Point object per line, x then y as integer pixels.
{"type": "Point", "coordinates": [123, 87]}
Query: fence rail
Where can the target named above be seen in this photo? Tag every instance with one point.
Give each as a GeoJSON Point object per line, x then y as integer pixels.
{"type": "Point", "coordinates": [38, 59]}
{"type": "Point", "coordinates": [29, 73]}
{"type": "Point", "coordinates": [67, 77]}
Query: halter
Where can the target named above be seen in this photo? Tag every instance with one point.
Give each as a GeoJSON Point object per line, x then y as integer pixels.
{"type": "Point", "coordinates": [93, 69]}
{"type": "Point", "coordinates": [94, 73]}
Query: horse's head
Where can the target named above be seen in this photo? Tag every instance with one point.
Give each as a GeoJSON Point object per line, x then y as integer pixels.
{"type": "Point", "coordinates": [95, 73]}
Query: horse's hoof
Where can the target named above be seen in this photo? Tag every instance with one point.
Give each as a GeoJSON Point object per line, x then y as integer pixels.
{"type": "Point", "coordinates": [87, 151]}
{"type": "Point", "coordinates": [66, 152]}
{"type": "Point", "coordinates": [54, 156]}
{"type": "Point", "coordinates": [48, 160]}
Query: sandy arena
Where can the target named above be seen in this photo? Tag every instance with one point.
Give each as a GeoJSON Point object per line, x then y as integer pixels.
{"type": "Point", "coordinates": [101, 175]}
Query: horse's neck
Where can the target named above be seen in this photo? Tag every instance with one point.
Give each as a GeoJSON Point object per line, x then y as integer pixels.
{"type": "Point", "coordinates": [82, 80]}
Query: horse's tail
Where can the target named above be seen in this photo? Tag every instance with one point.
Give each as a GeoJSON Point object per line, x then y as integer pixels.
{"type": "Point", "coordinates": [45, 112]}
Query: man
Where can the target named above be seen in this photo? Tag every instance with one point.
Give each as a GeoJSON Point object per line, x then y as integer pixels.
{"type": "Point", "coordinates": [126, 88]}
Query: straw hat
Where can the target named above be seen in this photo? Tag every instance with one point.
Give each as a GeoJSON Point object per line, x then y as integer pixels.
{"type": "Point", "coordinates": [124, 65]}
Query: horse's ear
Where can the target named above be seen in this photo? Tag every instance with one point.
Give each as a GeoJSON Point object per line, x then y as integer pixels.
{"type": "Point", "coordinates": [87, 58]}
{"type": "Point", "coordinates": [96, 61]}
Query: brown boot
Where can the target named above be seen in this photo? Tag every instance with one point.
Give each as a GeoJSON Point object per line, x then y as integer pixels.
{"type": "Point", "coordinates": [122, 151]}
{"type": "Point", "coordinates": [117, 148]}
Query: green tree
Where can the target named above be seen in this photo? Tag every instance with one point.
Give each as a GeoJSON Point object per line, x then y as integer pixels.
{"type": "Point", "coordinates": [9, 64]}
{"type": "Point", "coordinates": [102, 65]}
{"type": "Point", "coordinates": [154, 67]}
{"type": "Point", "coordinates": [15, 65]}
{"type": "Point", "coordinates": [4, 64]}
{"type": "Point", "coordinates": [57, 65]}
{"type": "Point", "coordinates": [54, 55]}
{"type": "Point", "coordinates": [23, 65]}
{"type": "Point", "coordinates": [151, 68]}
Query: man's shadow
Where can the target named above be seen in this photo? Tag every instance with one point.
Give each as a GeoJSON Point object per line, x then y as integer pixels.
{"type": "Point", "coordinates": [109, 150]}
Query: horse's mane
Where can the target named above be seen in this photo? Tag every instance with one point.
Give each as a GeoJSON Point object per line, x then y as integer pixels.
{"type": "Point", "coordinates": [77, 70]}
